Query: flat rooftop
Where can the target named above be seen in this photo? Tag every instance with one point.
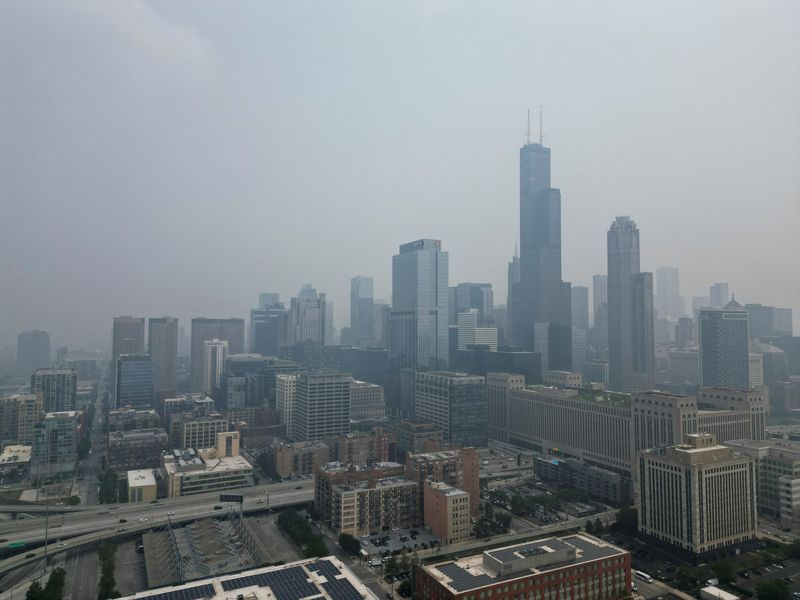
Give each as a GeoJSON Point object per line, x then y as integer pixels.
{"type": "Point", "coordinates": [14, 455]}
{"type": "Point", "coordinates": [141, 477]}
{"type": "Point", "coordinates": [318, 578]}
{"type": "Point", "coordinates": [473, 572]}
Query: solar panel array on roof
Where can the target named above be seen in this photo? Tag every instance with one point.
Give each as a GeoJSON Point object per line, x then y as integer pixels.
{"type": "Point", "coordinates": [287, 584]}
{"type": "Point", "coordinates": [463, 580]}
{"type": "Point", "coordinates": [337, 589]}
{"type": "Point", "coordinates": [197, 592]}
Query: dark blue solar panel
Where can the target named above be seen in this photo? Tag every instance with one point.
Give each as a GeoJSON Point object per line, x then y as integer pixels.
{"type": "Point", "coordinates": [194, 593]}
{"type": "Point", "coordinates": [338, 589]}
{"type": "Point", "coordinates": [286, 584]}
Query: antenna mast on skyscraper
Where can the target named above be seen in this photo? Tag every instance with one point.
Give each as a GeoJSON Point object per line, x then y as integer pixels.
{"type": "Point", "coordinates": [541, 138]}
{"type": "Point", "coordinates": [528, 134]}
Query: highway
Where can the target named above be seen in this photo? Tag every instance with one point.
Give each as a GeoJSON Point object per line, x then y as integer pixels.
{"type": "Point", "coordinates": [77, 529]}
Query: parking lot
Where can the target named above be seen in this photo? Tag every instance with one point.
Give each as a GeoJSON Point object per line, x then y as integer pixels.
{"type": "Point", "coordinates": [394, 541]}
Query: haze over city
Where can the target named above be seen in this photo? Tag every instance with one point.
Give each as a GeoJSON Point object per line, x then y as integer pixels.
{"type": "Point", "coordinates": [179, 158]}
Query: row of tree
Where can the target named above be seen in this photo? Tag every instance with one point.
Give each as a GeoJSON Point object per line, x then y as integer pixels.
{"type": "Point", "coordinates": [108, 584]}
{"type": "Point", "coordinates": [299, 531]}
{"type": "Point", "coordinates": [53, 589]}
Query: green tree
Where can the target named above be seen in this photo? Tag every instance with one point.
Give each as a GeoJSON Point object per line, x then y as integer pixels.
{"type": "Point", "coordinates": [391, 565]}
{"type": "Point", "coordinates": [405, 562]}
{"type": "Point", "coordinates": [54, 590]}
{"type": "Point", "coordinates": [488, 510]}
{"type": "Point", "coordinates": [108, 487]}
{"type": "Point", "coordinates": [589, 527]}
{"type": "Point", "coordinates": [793, 549]}
{"type": "Point", "coordinates": [772, 590]}
{"type": "Point", "coordinates": [598, 525]}
{"type": "Point", "coordinates": [35, 592]}
{"type": "Point", "coordinates": [349, 544]}
{"type": "Point", "coordinates": [627, 521]}
{"type": "Point", "coordinates": [83, 448]}
{"type": "Point", "coordinates": [404, 589]}
{"type": "Point", "coordinates": [724, 571]}
{"type": "Point", "coordinates": [73, 500]}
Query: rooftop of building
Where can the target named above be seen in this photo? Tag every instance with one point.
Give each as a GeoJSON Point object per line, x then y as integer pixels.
{"type": "Point", "coordinates": [154, 432]}
{"type": "Point", "coordinates": [191, 461]}
{"type": "Point", "coordinates": [438, 455]}
{"type": "Point", "coordinates": [55, 371]}
{"type": "Point", "coordinates": [141, 478]}
{"type": "Point", "coordinates": [445, 489]}
{"type": "Point", "coordinates": [460, 377]}
{"type": "Point", "coordinates": [785, 448]}
{"type": "Point", "coordinates": [339, 467]}
{"type": "Point", "coordinates": [384, 482]}
{"type": "Point", "coordinates": [585, 394]}
{"type": "Point", "coordinates": [365, 384]}
{"type": "Point", "coordinates": [319, 578]}
{"type": "Point", "coordinates": [15, 454]}
{"type": "Point", "coordinates": [520, 560]}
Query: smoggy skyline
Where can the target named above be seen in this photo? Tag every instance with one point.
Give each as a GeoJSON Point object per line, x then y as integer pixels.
{"type": "Point", "coordinates": [179, 158]}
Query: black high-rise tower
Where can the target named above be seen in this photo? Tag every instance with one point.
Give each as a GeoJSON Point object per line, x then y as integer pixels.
{"type": "Point", "coordinates": [541, 301]}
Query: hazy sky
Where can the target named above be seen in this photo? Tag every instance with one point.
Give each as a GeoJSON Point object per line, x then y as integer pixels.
{"type": "Point", "coordinates": [178, 158]}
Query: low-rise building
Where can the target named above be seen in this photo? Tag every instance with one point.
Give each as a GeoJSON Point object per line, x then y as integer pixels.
{"type": "Point", "coordinates": [459, 468]}
{"type": "Point", "coordinates": [299, 458]}
{"type": "Point", "coordinates": [188, 472]}
{"type": "Point", "coordinates": [414, 436]}
{"type": "Point", "coordinates": [136, 449]}
{"type": "Point", "coordinates": [127, 418]}
{"type": "Point", "coordinates": [142, 486]}
{"type": "Point", "coordinates": [320, 578]}
{"type": "Point", "coordinates": [190, 430]}
{"type": "Point", "coordinates": [363, 447]}
{"type": "Point", "coordinates": [372, 506]}
{"type": "Point", "coordinates": [447, 512]}
{"type": "Point", "coordinates": [576, 566]}
{"type": "Point", "coordinates": [15, 457]}
{"type": "Point", "coordinates": [334, 473]}
{"type": "Point", "coordinates": [699, 496]}
{"type": "Point", "coordinates": [601, 484]}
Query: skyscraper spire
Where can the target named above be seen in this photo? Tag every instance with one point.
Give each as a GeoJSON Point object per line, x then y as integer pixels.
{"type": "Point", "coordinates": [528, 134]}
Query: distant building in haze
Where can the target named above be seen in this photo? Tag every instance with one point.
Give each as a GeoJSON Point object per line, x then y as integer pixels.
{"type": "Point", "coordinates": [322, 406]}
{"type": "Point", "coordinates": [127, 338]}
{"type": "Point", "coordinates": [631, 342]}
{"type": "Point", "coordinates": [307, 315]}
{"type": "Point", "coordinates": [33, 350]}
{"type": "Point", "coordinates": [418, 320]}
{"type": "Point", "coordinates": [455, 403]}
{"type": "Point", "coordinates": [362, 320]}
{"type": "Point", "coordinates": [541, 299]}
{"type": "Point", "coordinates": [204, 329]}
{"type": "Point", "coordinates": [135, 379]}
{"type": "Point", "coordinates": [215, 353]}
{"type": "Point", "coordinates": [718, 295]}
{"type": "Point", "coordinates": [668, 301]}
{"type": "Point", "coordinates": [725, 347]}
{"type": "Point", "coordinates": [162, 346]}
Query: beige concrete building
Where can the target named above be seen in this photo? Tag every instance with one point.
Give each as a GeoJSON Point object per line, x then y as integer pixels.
{"type": "Point", "coordinates": [447, 512]}
{"type": "Point", "coordinates": [285, 397]}
{"type": "Point", "coordinates": [777, 477]}
{"type": "Point", "coordinates": [299, 458]}
{"type": "Point", "coordinates": [366, 401]}
{"type": "Point", "coordinates": [698, 496]}
{"type": "Point", "coordinates": [15, 457]}
{"type": "Point", "coordinates": [363, 447]}
{"type": "Point", "coordinates": [562, 379]}
{"type": "Point", "coordinates": [373, 506]}
{"type": "Point", "coordinates": [683, 366]}
{"type": "Point", "coordinates": [18, 414]}
{"type": "Point", "coordinates": [458, 468]}
{"type": "Point", "coordinates": [748, 409]}
{"type": "Point", "coordinates": [221, 467]}
{"type": "Point", "coordinates": [142, 485]}
{"type": "Point", "coordinates": [498, 388]}
{"type": "Point", "coordinates": [190, 430]}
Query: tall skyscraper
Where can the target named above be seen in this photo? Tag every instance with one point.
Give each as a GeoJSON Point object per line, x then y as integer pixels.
{"type": "Point", "coordinates": [456, 403]}
{"type": "Point", "coordinates": [513, 280]}
{"type": "Point", "coordinates": [541, 298]}
{"type": "Point", "coordinates": [203, 329]}
{"type": "Point", "coordinates": [33, 350]}
{"type": "Point", "coordinates": [162, 346]}
{"type": "Point", "coordinates": [135, 381]}
{"type": "Point", "coordinates": [215, 352]}
{"type": "Point", "coordinates": [307, 317]}
{"type": "Point", "coordinates": [380, 316]}
{"type": "Point", "coordinates": [718, 295]}
{"type": "Point", "coordinates": [631, 346]}
{"type": "Point", "coordinates": [580, 307]}
{"type": "Point", "coordinates": [322, 406]}
{"type": "Point", "coordinates": [268, 325]}
{"type": "Point", "coordinates": [58, 387]}
{"type": "Point", "coordinates": [127, 338]}
{"type": "Point", "coordinates": [668, 301]}
{"type": "Point", "coordinates": [599, 292]}
{"type": "Point", "coordinates": [725, 347]}
{"type": "Point", "coordinates": [362, 302]}
{"type": "Point", "coordinates": [478, 296]}
{"type": "Point", "coordinates": [418, 320]}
